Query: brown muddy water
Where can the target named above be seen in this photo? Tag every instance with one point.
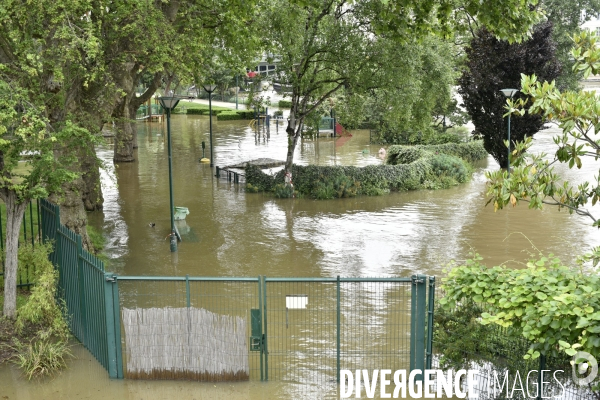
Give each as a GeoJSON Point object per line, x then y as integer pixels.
{"type": "Point", "coordinates": [232, 233]}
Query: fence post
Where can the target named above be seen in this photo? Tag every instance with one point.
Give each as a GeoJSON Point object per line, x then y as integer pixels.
{"type": "Point", "coordinates": [417, 323]}
{"type": "Point", "coordinates": [113, 326]}
{"type": "Point", "coordinates": [540, 395]}
{"type": "Point", "coordinates": [187, 290]}
{"type": "Point", "coordinates": [430, 309]}
{"type": "Point", "coordinates": [262, 350]}
{"type": "Point", "coordinates": [82, 307]}
{"type": "Point", "coordinates": [338, 328]}
{"type": "Point", "coordinates": [265, 346]}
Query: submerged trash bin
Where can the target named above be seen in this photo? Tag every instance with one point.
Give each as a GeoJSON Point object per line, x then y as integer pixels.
{"type": "Point", "coordinates": [181, 213]}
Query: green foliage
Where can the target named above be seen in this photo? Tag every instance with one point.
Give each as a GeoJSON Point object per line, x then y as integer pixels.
{"type": "Point", "coordinates": [195, 111]}
{"type": "Point", "coordinates": [444, 165]}
{"type": "Point", "coordinates": [97, 238]}
{"type": "Point", "coordinates": [494, 65]}
{"type": "Point", "coordinates": [234, 115]}
{"type": "Point", "coordinates": [461, 339]}
{"type": "Point", "coordinates": [549, 304]}
{"type": "Point", "coordinates": [284, 104]}
{"type": "Point", "coordinates": [421, 168]}
{"type": "Point", "coordinates": [283, 191]}
{"type": "Point", "coordinates": [41, 307]}
{"type": "Point", "coordinates": [41, 357]}
{"type": "Point", "coordinates": [533, 178]}
{"type": "Point", "coordinates": [470, 152]}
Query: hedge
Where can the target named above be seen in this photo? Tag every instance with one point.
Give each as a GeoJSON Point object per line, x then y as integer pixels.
{"type": "Point", "coordinates": [285, 104]}
{"type": "Point", "coordinates": [470, 151]}
{"type": "Point", "coordinates": [413, 167]}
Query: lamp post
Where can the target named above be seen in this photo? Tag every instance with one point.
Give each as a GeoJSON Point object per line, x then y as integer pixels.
{"type": "Point", "coordinates": [169, 103]}
{"type": "Point", "coordinates": [209, 89]}
{"type": "Point", "coordinates": [509, 93]}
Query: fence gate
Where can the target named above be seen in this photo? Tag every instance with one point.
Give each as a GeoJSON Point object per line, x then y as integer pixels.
{"type": "Point", "coordinates": [301, 330]}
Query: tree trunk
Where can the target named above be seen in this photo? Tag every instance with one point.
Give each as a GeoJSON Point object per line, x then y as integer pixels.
{"type": "Point", "coordinates": [72, 211]}
{"type": "Point", "coordinates": [294, 131]}
{"type": "Point", "coordinates": [125, 79]}
{"type": "Point", "coordinates": [127, 76]}
{"type": "Point", "coordinates": [14, 216]}
{"type": "Point", "coordinates": [92, 191]}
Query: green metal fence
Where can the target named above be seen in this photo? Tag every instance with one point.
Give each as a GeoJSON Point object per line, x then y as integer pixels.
{"type": "Point", "coordinates": [87, 291]}
{"type": "Point", "coordinates": [303, 330]}
{"type": "Point", "coordinates": [30, 233]}
{"type": "Point", "coordinates": [299, 330]}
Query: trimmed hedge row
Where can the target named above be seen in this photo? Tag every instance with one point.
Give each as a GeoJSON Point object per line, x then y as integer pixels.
{"type": "Point", "coordinates": [233, 115]}
{"type": "Point", "coordinates": [414, 167]}
{"type": "Point", "coordinates": [285, 104]}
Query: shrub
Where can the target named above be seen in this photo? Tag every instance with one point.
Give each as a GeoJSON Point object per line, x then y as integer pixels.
{"type": "Point", "coordinates": [285, 104]}
{"type": "Point", "coordinates": [229, 116]}
{"type": "Point", "coordinates": [196, 111]}
{"type": "Point", "coordinates": [412, 167]}
{"type": "Point", "coordinates": [470, 152]}
{"type": "Point", "coordinates": [283, 191]}
{"type": "Point", "coordinates": [449, 166]}
{"type": "Point", "coordinates": [48, 348]}
{"type": "Point", "coordinates": [41, 357]}
{"type": "Point", "coordinates": [41, 307]}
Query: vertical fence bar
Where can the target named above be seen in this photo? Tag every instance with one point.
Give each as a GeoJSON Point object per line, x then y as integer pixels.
{"type": "Point", "coordinates": [338, 328]}
{"type": "Point", "coordinates": [430, 309]}
{"type": "Point", "coordinates": [540, 395]}
{"type": "Point", "coordinates": [31, 222]}
{"type": "Point", "coordinates": [25, 226]}
{"type": "Point", "coordinates": [413, 313]}
{"type": "Point", "coordinates": [418, 307]}
{"type": "Point", "coordinates": [265, 342]}
{"type": "Point", "coordinates": [39, 216]}
{"type": "Point", "coordinates": [117, 316]}
{"type": "Point", "coordinates": [187, 290]}
{"type": "Point", "coordinates": [82, 290]}
{"type": "Point", "coordinates": [1, 237]}
{"type": "Point", "coordinates": [262, 338]}
{"type": "Point", "coordinates": [109, 282]}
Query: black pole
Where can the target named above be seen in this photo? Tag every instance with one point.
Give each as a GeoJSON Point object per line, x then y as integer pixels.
{"type": "Point", "coordinates": [210, 124]}
{"type": "Point", "coordinates": [173, 240]}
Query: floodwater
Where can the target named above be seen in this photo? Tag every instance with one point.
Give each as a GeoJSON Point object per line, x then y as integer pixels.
{"type": "Point", "coordinates": [232, 233]}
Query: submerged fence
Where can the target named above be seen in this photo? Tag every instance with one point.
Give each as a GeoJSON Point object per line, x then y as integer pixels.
{"type": "Point", "coordinates": [86, 290]}
{"type": "Point", "coordinates": [301, 330]}
{"type": "Point", "coordinates": [497, 356]}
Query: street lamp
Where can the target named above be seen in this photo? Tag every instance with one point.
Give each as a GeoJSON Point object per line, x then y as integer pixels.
{"type": "Point", "coordinates": [509, 93]}
{"type": "Point", "coordinates": [169, 103]}
{"type": "Point", "coordinates": [209, 89]}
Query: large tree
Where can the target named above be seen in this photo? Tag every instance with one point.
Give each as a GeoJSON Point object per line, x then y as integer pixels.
{"type": "Point", "coordinates": [167, 39]}
{"type": "Point", "coordinates": [495, 64]}
{"type": "Point", "coordinates": [324, 45]}
{"type": "Point", "coordinates": [43, 53]}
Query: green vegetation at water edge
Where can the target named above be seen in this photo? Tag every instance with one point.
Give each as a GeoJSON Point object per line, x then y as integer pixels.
{"type": "Point", "coordinates": [235, 115]}
{"type": "Point", "coordinates": [189, 107]}
{"type": "Point", "coordinates": [37, 341]}
{"type": "Point", "coordinates": [416, 167]}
